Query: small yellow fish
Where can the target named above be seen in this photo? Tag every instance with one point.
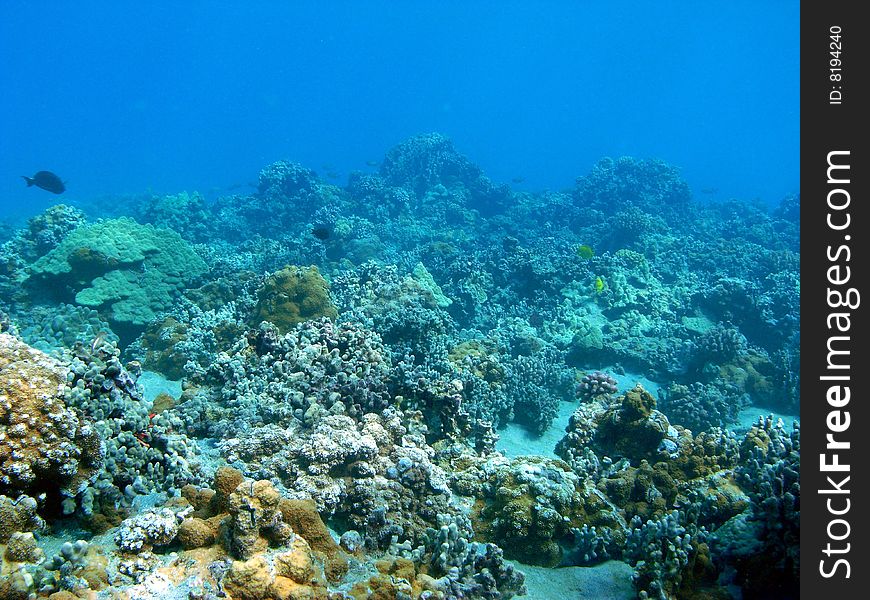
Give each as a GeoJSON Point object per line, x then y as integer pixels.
{"type": "Point", "coordinates": [599, 285]}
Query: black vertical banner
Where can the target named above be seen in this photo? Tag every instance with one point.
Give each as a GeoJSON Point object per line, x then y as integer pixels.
{"type": "Point", "coordinates": [835, 421]}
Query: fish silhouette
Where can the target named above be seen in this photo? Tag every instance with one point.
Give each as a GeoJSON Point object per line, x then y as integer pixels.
{"type": "Point", "coordinates": [321, 233]}
{"type": "Point", "coordinates": [47, 181]}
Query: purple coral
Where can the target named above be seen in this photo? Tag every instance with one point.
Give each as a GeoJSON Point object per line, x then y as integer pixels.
{"type": "Point", "coordinates": [596, 385]}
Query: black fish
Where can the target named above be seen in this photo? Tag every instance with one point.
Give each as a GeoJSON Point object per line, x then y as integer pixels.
{"type": "Point", "coordinates": [47, 181]}
{"type": "Point", "coordinates": [320, 233]}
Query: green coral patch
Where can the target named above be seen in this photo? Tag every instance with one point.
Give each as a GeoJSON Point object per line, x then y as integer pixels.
{"type": "Point", "coordinates": [127, 271]}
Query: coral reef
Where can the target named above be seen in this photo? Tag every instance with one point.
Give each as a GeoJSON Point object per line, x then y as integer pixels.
{"type": "Point", "coordinates": [184, 213]}
{"type": "Point", "coordinates": [770, 474]}
{"type": "Point", "coordinates": [54, 328]}
{"type": "Point", "coordinates": [528, 505]}
{"type": "Point", "coordinates": [145, 451]}
{"type": "Point", "coordinates": [632, 428]}
{"type": "Point", "coordinates": [700, 406]}
{"type": "Point", "coordinates": [425, 161]}
{"type": "Point", "coordinates": [372, 378]}
{"type": "Point", "coordinates": [463, 568]}
{"type": "Point", "coordinates": [665, 549]}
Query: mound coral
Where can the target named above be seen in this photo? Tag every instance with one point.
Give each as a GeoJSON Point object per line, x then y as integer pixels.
{"type": "Point", "coordinates": [293, 295]}
{"type": "Point", "coordinates": [650, 185]}
{"type": "Point", "coordinates": [127, 271]}
{"type": "Point", "coordinates": [44, 445]}
{"type": "Point", "coordinates": [185, 213]}
{"type": "Point", "coordinates": [45, 231]}
{"type": "Point", "coordinates": [632, 428]}
{"type": "Point", "coordinates": [288, 193]}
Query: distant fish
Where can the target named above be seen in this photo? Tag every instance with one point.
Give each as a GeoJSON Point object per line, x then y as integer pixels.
{"type": "Point", "coordinates": [332, 175]}
{"type": "Point", "coordinates": [710, 191]}
{"type": "Point", "coordinates": [518, 179]}
{"type": "Point", "coordinates": [321, 233]}
{"type": "Point", "coordinates": [373, 163]}
{"type": "Point", "coordinates": [47, 181]}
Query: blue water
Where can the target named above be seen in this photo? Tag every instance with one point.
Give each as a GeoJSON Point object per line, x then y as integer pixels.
{"type": "Point", "coordinates": [129, 97]}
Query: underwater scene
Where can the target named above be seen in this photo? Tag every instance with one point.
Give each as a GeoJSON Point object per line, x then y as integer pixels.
{"type": "Point", "coordinates": [422, 371]}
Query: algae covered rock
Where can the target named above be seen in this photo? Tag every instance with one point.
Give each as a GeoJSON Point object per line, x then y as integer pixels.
{"type": "Point", "coordinates": [255, 518]}
{"type": "Point", "coordinates": [293, 295]}
{"type": "Point", "coordinates": [127, 271]}
{"type": "Point", "coordinates": [632, 428]}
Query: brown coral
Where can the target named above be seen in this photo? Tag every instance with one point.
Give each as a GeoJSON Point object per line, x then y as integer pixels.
{"type": "Point", "coordinates": [646, 491]}
{"type": "Point", "coordinates": [226, 480]}
{"type": "Point", "coordinates": [255, 518]}
{"type": "Point", "coordinates": [247, 517]}
{"type": "Point", "coordinates": [197, 533]}
{"type": "Point", "coordinates": [44, 446]}
{"type": "Point", "coordinates": [632, 428]}
{"type": "Point", "coordinates": [18, 515]}
{"type": "Point", "coordinates": [297, 564]}
{"type": "Point", "coordinates": [293, 295]}
{"type": "Point", "coordinates": [255, 579]}
{"type": "Point", "coordinates": [396, 578]}
{"type": "Point", "coordinates": [303, 517]}
{"type": "Point", "coordinates": [248, 580]}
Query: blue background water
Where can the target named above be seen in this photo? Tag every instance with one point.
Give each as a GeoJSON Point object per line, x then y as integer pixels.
{"type": "Point", "coordinates": [124, 97]}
